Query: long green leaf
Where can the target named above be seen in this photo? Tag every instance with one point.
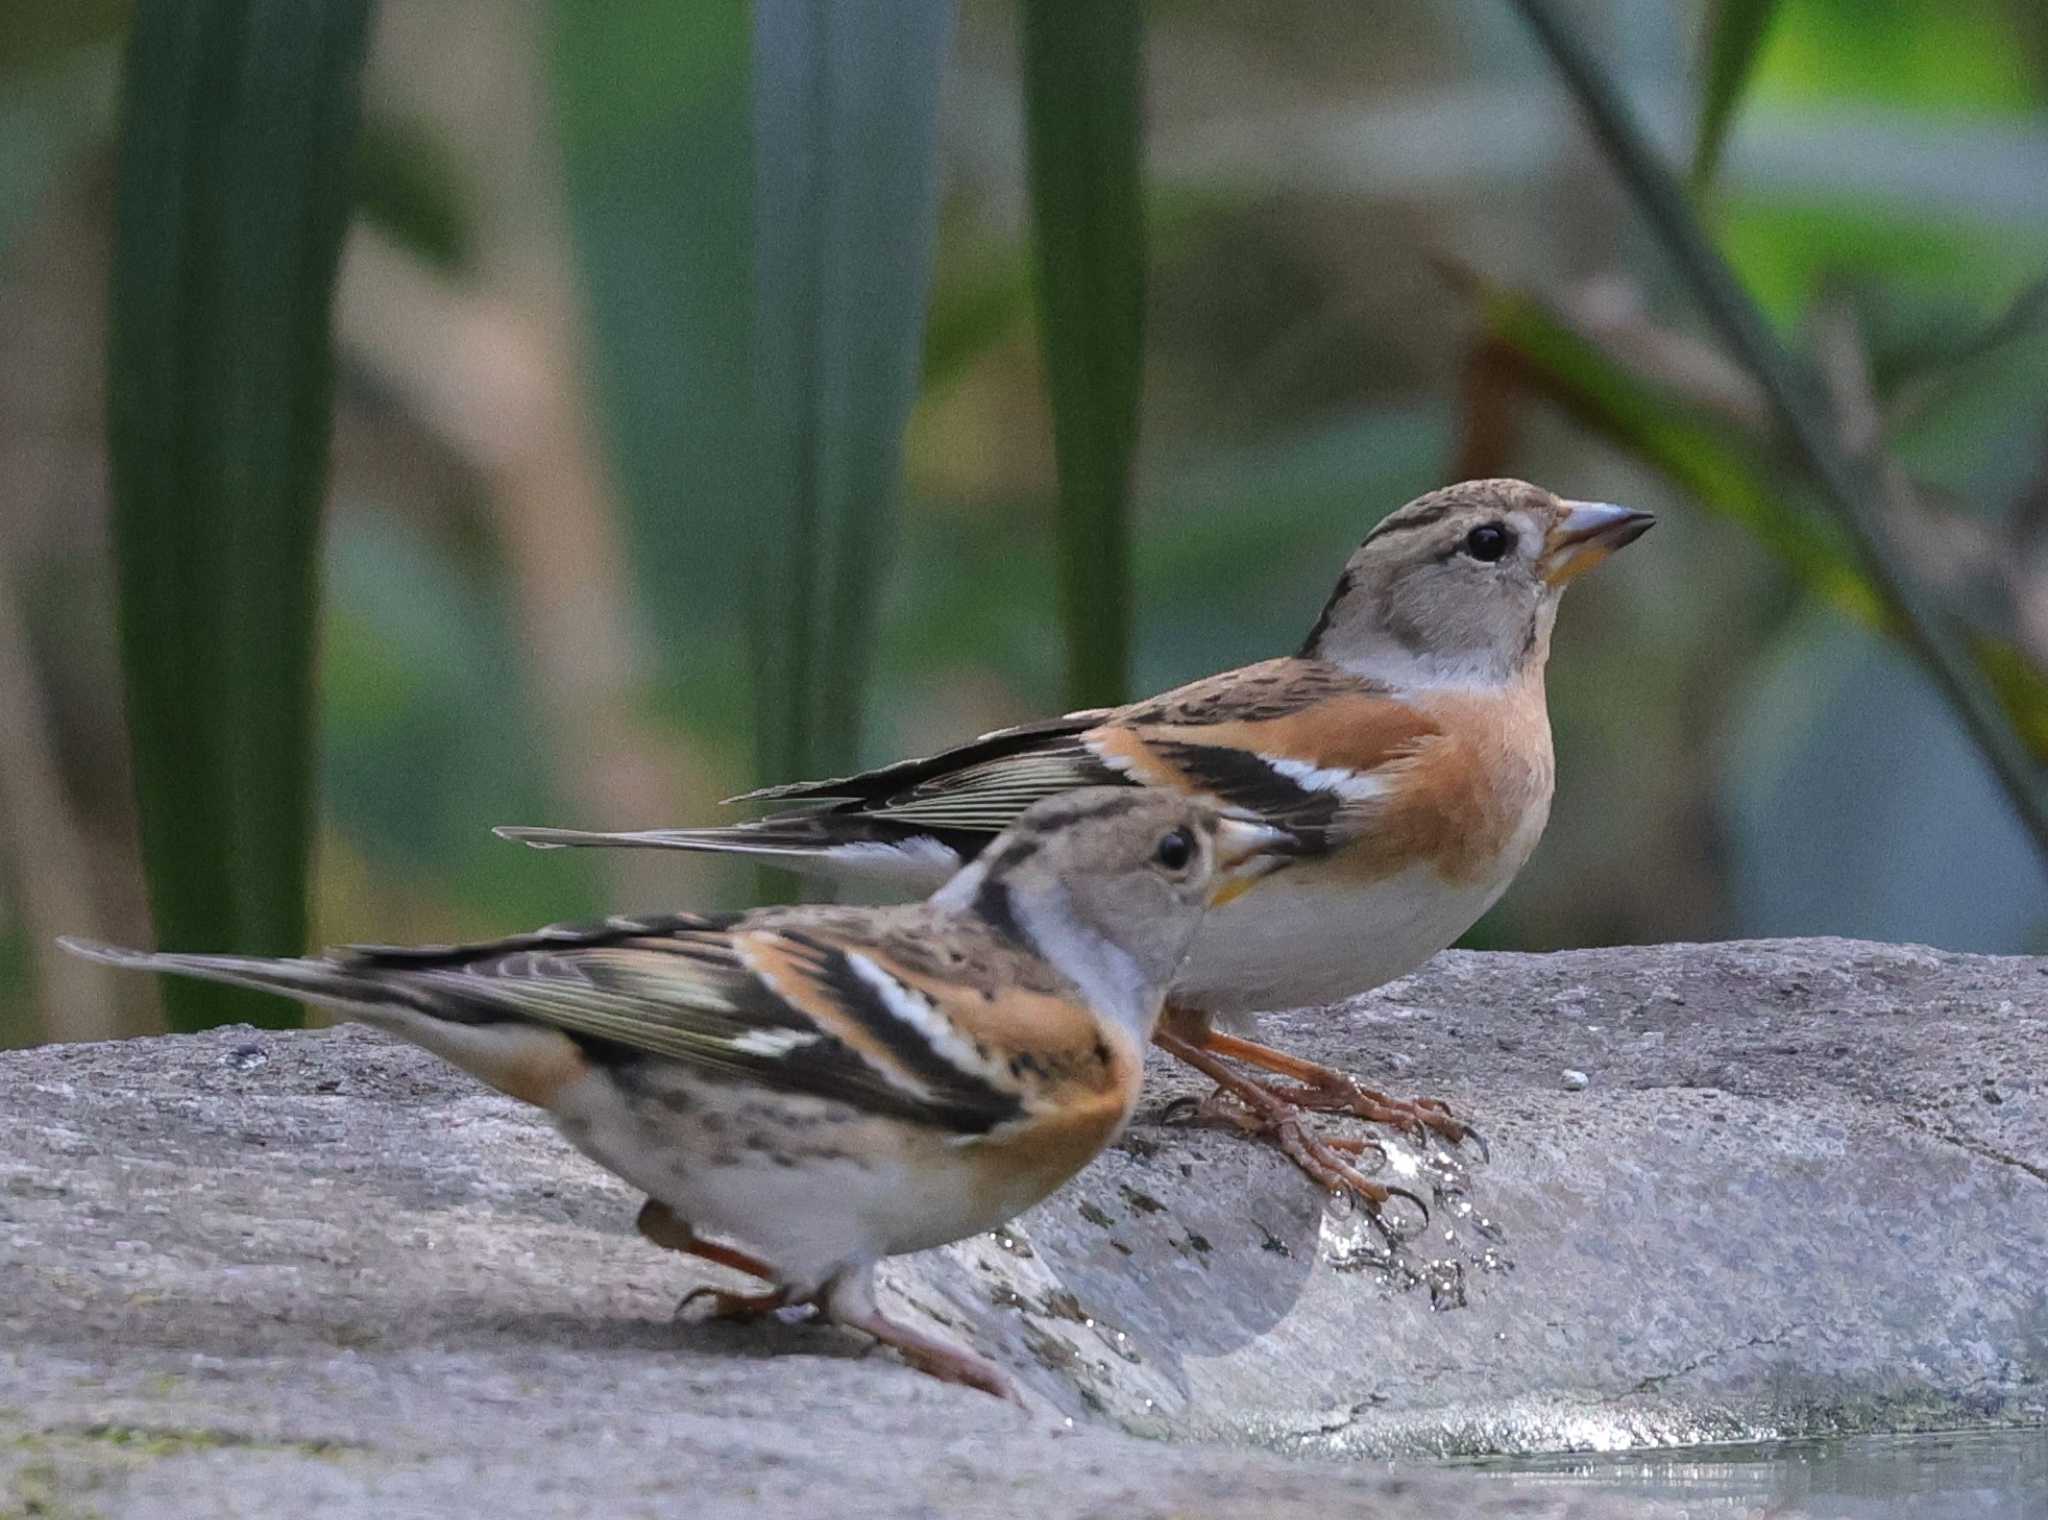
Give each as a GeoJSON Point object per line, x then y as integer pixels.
{"type": "Point", "coordinates": [1849, 486]}
{"type": "Point", "coordinates": [1736, 30]}
{"type": "Point", "coordinates": [238, 124]}
{"type": "Point", "coordinates": [654, 104]}
{"type": "Point", "coordinates": [1083, 104]}
{"type": "Point", "coordinates": [846, 100]}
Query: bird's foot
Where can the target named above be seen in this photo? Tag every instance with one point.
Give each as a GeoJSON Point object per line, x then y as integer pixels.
{"type": "Point", "coordinates": [734, 1308]}
{"type": "Point", "coordinates": [1326, 1090]}
{"type": "Point", "coordinates": [1259, 1109]}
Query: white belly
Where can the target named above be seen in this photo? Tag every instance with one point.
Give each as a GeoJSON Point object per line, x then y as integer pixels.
{"type": "Point", "coordinates": [1303, 938]}
{"type": "Point", "coordinates": [906, 1191]}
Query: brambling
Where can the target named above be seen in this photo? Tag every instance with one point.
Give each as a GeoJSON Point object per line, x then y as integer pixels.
{"type": "Point", "coordinates": [829, 1085]}
{"type": "Point", "coordinates": [1406, 749]}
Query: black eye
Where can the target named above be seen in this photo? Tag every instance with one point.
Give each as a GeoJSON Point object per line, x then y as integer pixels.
{"type": "Point", "coordinates": [1489, 542]}
{"type": "Point", "coordinates": [1175, 850]}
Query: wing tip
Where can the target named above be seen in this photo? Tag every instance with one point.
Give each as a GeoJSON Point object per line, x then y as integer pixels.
{"type": "Point", "coordinates": [105, 954]}
{"type": "Point", "coordinates": [533, 838]}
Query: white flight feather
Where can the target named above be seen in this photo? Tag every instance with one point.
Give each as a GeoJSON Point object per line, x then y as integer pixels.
{"type": "Point", "coordinates": [912, 1008]}
{"type": "Point", "coordinates": [773, 1043]}
{"type": "Point", "coordinates": [1353, 786]}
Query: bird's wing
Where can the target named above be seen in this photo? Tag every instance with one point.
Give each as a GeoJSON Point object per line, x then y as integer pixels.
{"type": "Point", "coordinates": [1298, 743]}
{"type": "Point", "coordinates": [957, 797]}
{"type": "Point", "coordinates": [792, 1003]}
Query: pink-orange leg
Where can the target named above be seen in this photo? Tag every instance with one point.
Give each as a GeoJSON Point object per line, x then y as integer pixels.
{"type": "Point", "coordinates": [1324, 1089]}
{"type": "Point", "coordinates": [849, 1300]}
{"type": "Point", "coordinates": [1272, 1115]}
{"type": "Point", "coordinates": [659, 1224]}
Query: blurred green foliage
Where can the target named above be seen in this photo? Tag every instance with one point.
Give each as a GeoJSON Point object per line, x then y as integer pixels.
{"type": "Point", "coordinates": [238, 125]}
{"type": "Point", "coordinates": [1736, 30]}
{"type": "Point", "coordinates": [1818, 403]}
{"type": "Point", "coordinates": [1084, 111]}
{"type": "Point", "coordinates": [1732, 730]}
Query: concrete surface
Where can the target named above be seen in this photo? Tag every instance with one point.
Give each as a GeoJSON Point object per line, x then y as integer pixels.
{"type": "Point", "coordinates": [1804, 1189]}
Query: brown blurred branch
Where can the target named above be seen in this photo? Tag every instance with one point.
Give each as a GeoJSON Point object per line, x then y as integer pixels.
{"type": "Point", "coordinates": [479, 374]}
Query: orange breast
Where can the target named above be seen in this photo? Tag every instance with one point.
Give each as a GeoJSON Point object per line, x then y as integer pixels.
{"type": "Point", "coordinates": [1477, 791]}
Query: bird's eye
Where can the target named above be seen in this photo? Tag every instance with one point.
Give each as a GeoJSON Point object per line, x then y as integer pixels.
{"type": "Point", "coordinates": [1176, 850]}
{"type": "Point", "coordinates": [1489, 542]}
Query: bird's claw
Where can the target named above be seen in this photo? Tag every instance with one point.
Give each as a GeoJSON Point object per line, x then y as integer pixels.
{"type": "Point", "coordinates": [734, 1308]}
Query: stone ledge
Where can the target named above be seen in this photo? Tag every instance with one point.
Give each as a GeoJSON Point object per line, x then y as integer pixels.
{"type": "Point", "coordinates": [1804, 1190]}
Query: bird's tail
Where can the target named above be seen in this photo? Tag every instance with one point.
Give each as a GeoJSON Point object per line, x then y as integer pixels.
{"type": "Point", "coordinates": [325, 982]}
{"type": "Point", "coordinates": [519, 1057]}
{"type": "Point", "coordinates": [837, 846]}
{"type": "Point", "coordinates": [740, 839]}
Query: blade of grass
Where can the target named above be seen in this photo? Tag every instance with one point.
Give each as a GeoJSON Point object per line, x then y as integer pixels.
{"type": "Point", "coordinates": [1846, 484]}
{"type": "Point", "coordinates": [846, 101]}
{"type": "Point", "coordinates": [1083, 107]}
{"type": "Point", "coordinates": [1736, 30]}
{"type": "Point", "coordinates": [238, 126]}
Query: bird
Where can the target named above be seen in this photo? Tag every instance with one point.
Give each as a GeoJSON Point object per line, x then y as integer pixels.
{"type": "Point", "coordinates": [824, 1085]}
{"type": "Point", "coordinates": [1405, 746]}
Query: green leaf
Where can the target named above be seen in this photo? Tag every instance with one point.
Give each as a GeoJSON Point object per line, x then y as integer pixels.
{"type": "Point", "coordinates": [1735, 36]}
{"type": "Point", "coordinates": [1083, 105]}
{"type": "Point", "coordinates": [408, 185]}
{"type": "Point", "coordinates": [755, 192]}
{"type": "Point", "coordinates": [846, 101]}
{"type": "Point", "coordinates": [238, 127]}
{"type": "Point", "coordinates": [654, 104]}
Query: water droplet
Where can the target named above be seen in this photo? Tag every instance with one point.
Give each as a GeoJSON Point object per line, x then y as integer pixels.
{"type": "Point", "coordinates": [1446, 1286]}
{"type": "Point", "coordinates": [1014, 1244]}
{"type": "Point", "coordinates": [244, 1058]}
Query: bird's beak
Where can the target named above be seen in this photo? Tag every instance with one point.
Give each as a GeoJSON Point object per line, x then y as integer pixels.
{"type": "Point", "coordinates": [1246, 851]}
{"type": "Point", "coordinates": [1586, 534]}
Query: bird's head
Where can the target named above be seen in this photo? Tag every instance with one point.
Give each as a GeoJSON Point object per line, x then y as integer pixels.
{"type": "Point", "coordinates": [1109, 884]}
{"type": "Point", "coordinates": [1461, 585]}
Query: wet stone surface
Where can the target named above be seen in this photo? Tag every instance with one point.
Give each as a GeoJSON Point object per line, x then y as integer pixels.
{"type": "Point", "coordinates": [1804, 1190]}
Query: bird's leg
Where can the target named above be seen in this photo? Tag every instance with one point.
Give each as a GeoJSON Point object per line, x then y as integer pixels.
{"type": "Point", "coordinates": [1324, 1089]}
{"type": "Point", "coordinates": [1272, 1115]}
{"type": "Point", "coordinates": [736, 1308]}
{"type": "Point", "coordinates": [849, 1299]}
{"type": "Point", "coordinates": [659, 1224]}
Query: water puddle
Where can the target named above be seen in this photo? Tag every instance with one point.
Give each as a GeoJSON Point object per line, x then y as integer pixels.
{"type": "Point", "coordinates": [1953, 1475]}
